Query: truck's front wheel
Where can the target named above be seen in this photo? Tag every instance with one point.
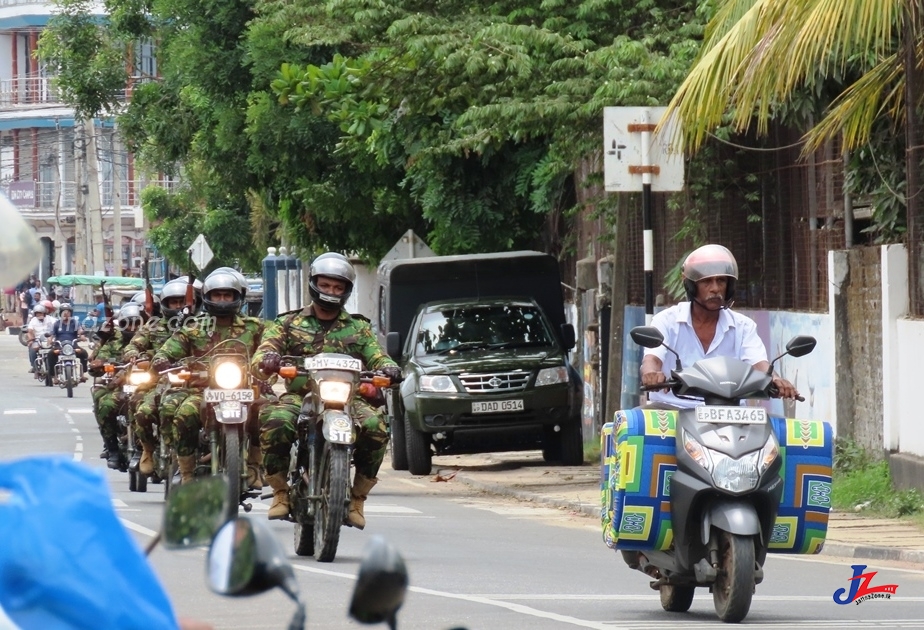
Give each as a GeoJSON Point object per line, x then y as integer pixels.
{"type": "Point", "coordinates": [419, 455]}
{"type": "Point", "coordinates": [398, 443]}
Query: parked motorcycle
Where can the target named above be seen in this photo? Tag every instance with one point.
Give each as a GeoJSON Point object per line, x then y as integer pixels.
{"type": "Point", "coordinates": [725, 493]}
{"type": "Point", "coordinates": [319, 472]}
{"type": "Point", "coordinates": [68, 369]}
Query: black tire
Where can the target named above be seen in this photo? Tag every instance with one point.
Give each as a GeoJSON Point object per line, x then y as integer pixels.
{"type": "Point", "coordinates": [676, 598]}
{"type": "Point", "coordinates": [419, 455]}
{"type": "Point", "coordinates": [331, 512]}
{"type": "Point", "coordinates": [132, 482]}
{"type": "Point", "coordinates": [170, 470]}
{"type": "Point", "coordinates": [734, 585]}
{"type": "Point", "coordinates": [142, 481]}
{"type": "Point", "coordinates": [69, 380]}
{"type": "Point", "coordinates": [48, 381]}
{"type": "Point", "coordinates": [231, 457]}
{"type": "Point", "coordinates": [304, 539]}
{"type": "Point", "coordinates": [398, 443]}
{"type": "Point", "coordinates": [24, 336]}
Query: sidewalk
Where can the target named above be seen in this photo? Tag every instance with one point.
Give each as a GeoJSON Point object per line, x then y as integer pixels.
{"type": "Point", "coordinates": [524, 476]}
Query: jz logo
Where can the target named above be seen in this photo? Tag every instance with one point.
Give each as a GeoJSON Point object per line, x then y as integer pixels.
{"type": "Point", "coordinates": [860, 590]}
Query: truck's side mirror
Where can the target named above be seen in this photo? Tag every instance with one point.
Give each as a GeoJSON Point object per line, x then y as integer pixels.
{"type": "Point", "coordinates": [568, 336]}
{"type": "Point", "coordinates": [393, 345]}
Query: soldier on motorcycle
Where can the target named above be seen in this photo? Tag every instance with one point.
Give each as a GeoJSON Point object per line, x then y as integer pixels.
{"type": "Point", "coordinates": [322, 326]}
{"type": "Point", "coordinates": [107, 399]}
{"type": "Point", "coordinates": [222, 295]}
{"type": "Point", "coordinates": [145, 403]}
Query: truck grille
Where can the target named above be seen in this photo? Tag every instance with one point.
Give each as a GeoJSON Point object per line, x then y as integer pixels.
{"type": "Point", "coordinates": [497, 383]}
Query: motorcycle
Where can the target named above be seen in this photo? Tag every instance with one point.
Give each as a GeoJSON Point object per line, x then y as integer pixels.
{"type": "Point", "coordinates": [68, 369]}
{"type": "Point", "coordinates": [139, 376]}
{"type": "Point", "coordinates": [319, 471]}
{"type": "Point", "coordinates": [726, 490]}
{"type": "Point", "coordinates": [40, 367]}
{"type": "Point", "coordinates": [228, 398]}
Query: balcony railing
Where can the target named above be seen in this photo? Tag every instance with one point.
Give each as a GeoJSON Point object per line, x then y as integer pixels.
{"type": "Point", "coordinates": [21, 92]}
{"type": "Point", "coordinates": [46, 194]}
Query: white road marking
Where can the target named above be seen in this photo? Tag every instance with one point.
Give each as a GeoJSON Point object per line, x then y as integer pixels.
{"type": "Point", "coordinates": [18, 412]}
{"type": "Point", "coordinates": [78, 447]}
{"type": "Point", "coordinates": [389, 509]}
{"type": "Point", "coordinates": [80, 411]}
{"type": "Point", "coordinates": [135, 527]}
{"type": "Point", "coordinates": [119, 503]}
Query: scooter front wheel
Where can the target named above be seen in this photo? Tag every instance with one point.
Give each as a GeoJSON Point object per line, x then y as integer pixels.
{"type": "Point", "coordinates": [734, 585]}
{"type": "Point", "coordinates": [675, 598]}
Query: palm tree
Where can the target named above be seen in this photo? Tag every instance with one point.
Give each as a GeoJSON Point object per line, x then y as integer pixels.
{"type": "Point", "coordinates": [758, 54]}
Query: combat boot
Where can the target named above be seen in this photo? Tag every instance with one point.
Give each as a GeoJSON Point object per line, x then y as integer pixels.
{"type": "Point", "coordinates": [187, 466]}
{"type": "Point", "coordinates": [255, 468]}
{"type": "Point", "coordinates": [146, 465]}
{"type": "Point", "coordinates": [360, 491]}
{"type": "Point", "coordinates": [114, 457]}
{"type": "Point", "coordinates": [280, 486]}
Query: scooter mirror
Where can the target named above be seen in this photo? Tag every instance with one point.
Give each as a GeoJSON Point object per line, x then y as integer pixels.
{"type": "Point", "coordinates": [194, 512]}
{"type": "Point", "coordinates": [800, 345]}
{"type": "Point", "coordinates": [380, 585]}
{"type": "Point", "coordinates": [647, 336]}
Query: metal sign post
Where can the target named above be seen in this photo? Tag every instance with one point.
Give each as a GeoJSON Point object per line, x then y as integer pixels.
{"type": "Point", "coordinates": [634, 151]}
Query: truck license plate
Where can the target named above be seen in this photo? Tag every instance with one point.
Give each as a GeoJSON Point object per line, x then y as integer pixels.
{"type": "Point", "coordinates": [220, 395]}
{"type": "Point", "coordinates": [731, 415]}
{"type": "Point", "coordinates": [497, 406]}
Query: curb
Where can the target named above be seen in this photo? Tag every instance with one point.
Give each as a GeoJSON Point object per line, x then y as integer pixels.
{"type": "Point", "coordinates": [866, 552]}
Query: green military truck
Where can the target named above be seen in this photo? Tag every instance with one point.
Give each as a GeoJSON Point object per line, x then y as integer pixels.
{"type": "Point", "coordinates": [483, 344]}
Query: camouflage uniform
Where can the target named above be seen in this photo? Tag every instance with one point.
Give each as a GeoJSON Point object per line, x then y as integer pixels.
{"type": "Point", "coordinates": [182, 406]}
{"type": "Point", "coordinates": [107, 399]}
{"type": "Point", "coordinates": [301, 333]}
{"type": "Point", "coordinates": [144, 402]}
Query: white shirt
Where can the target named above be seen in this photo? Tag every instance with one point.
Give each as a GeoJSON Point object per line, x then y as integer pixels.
{"type": "Point", "coordinates": [41, 326]}
{"type": "Point", "coordinates": [735, 336]}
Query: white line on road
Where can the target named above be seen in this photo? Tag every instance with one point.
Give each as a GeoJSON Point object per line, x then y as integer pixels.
{"type": "Point", "coordinates": [390, 509]}
{"type": "Point", "coordinates": [18, 412]}
{"type": "Point", "coordinates": [135, 527]}
{"type": "Point", "coordinates": [78, 447]}
{"type": "Point", "coordinates": [79, 411]}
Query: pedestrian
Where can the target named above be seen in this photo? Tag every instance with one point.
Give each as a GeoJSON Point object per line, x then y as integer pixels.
{"type": "Point", "coordinates": [25, 305]}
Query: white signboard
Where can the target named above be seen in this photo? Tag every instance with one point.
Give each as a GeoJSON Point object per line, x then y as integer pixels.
{"type": "Point", "coordinates": [200, 252]}
{"type": "Point", "coordinates": [623, 163]}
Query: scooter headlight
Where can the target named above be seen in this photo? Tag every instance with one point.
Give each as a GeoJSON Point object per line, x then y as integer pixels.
{"type": "Point", "coordinates": [336, 392]}
{"type": "Point", "coordinates": [736, 475]}
{"type": "Point", "coordinates": [228, 375]}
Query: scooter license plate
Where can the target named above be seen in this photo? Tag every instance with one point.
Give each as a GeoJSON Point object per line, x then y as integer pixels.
{"type": "Point", "coordinates": [220, 395]}
{"type": "Point", "coordinates": [731, 415]}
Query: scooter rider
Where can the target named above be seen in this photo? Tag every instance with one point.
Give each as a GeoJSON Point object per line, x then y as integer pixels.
{"type": "Point", "coordinates": [107, 399]}
{"type": "Point", "coordinates": [68, 329]}
{"type": "Point", "coordinates": [39, 325]}
{"type": "Point", "coordinates": [145, 403]}
{"type": "Point", "coordinates": [222, 301]}
{"type": "Point", "coordinates": [705, 326]}
{"type": "Point", "coordinates": [322, 326]}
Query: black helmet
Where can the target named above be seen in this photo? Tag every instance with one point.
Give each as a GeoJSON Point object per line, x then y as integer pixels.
{"type": "Point", "coordinates": [220, 279]}
{"type": "Point", "coordinates": [710, 261]}
{"type": "Point", "coordinates": [331, 265]}
{"type": "Point", "coordinates": [174, 288]}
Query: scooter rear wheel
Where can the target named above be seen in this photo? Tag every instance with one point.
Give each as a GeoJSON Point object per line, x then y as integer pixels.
{"type": "Point", "coordinates": [675, 598]}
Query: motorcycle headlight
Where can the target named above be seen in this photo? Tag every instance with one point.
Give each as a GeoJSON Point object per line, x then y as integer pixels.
{"type": "Point", "coordinates": [335, 391]}
{"type": "Point", "coordinates": [736, 475]}
{"type": "Point", "coordinates": [139, 378]}
{"type": "Point", "coordinates": [439, 383]}
{"type": "Point", "coordinates": [67, 350]}
{"type": "Point", "coordinates": [228, 375]}
{"type": "Point", "coordinates": [552, 376]}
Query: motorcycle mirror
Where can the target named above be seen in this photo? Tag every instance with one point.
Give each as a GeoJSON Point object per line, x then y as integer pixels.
{"type": "Point", "coordinates": [800, 345]}
{"type": "Point", "coordinates": [381, 584]}
{"type": "Point", "coordinates": [647, 336]}
{"type": "Point", "coordinates": [245, 559]}
{"type": "Point", "coordinates": [194, 512]}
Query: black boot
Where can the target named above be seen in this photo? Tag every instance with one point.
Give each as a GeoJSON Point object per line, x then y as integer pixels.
{"type": "Point", "coordinates": [105, 452]}
{"type": "Point", "coordinates": [114, 458]}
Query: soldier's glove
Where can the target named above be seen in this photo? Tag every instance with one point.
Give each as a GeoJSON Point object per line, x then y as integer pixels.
{"type": "Point", "coordinates": [393, 372]}
{"type": "Point", "coordinates": [270, 363]}
{"type": "Point", "coordinates": [159, 365]}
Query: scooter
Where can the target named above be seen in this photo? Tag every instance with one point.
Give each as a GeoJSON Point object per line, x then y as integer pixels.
{"type": "Point", "coordinates": [726, 490]}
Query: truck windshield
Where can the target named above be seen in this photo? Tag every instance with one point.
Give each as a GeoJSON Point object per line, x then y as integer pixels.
{"type": "Point", "coordinates": [479, 327]}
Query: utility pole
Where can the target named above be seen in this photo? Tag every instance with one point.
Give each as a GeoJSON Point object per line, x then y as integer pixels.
{"type": "Point", "coordinates": [80, 199]}
{"type": "Point", "coordinates": [94, 205]}
{"type": "Point", "coordinates": [116, 207]}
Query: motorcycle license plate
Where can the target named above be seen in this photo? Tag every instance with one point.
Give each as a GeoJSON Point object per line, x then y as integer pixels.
{"type": "Point", "coordinates": [229, 410]}
{"type": "Point", "coordinates": [333, 363]}
{"type": "Point", "coordinates": [129, 389]}
{"type": "Point", "coordinates": [731, 415]}
{"type": "Point", "coordinates": [221, 395]}
{"type": "Point", "coordinates": [497, 406]}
